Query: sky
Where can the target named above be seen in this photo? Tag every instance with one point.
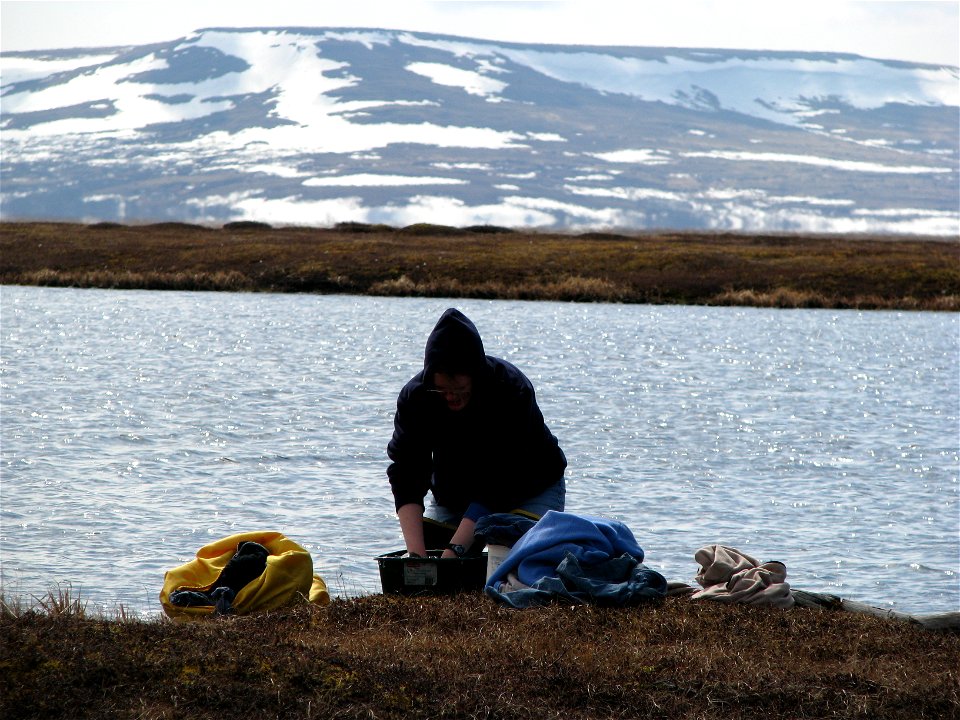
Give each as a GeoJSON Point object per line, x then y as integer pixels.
{"type": "Point", "coordinates": [917, 31]}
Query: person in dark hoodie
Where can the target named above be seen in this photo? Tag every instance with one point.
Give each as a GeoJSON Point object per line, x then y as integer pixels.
{"type": "Point", "coordinates": [468, 430]}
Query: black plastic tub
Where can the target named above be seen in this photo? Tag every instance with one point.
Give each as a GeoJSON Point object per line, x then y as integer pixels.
{"type": "Point", "coordinates": [432, 575]}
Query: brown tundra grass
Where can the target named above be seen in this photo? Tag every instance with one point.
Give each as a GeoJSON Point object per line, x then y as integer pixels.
{"type": "Point", "coordinates": [428, 260]}
{"type": "Point", "coordinates": [464, 656]}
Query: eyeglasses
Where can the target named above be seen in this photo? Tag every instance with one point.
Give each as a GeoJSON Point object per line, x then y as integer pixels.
{"type": "Point", "coordinates": [454, 393]}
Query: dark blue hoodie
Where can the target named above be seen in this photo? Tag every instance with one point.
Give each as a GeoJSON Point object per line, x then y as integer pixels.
{"type": "Point", "coordinates": [495, 453]}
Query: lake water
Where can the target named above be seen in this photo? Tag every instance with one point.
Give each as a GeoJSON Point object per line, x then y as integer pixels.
{"type": "Point", "coordinates": [138, 426]}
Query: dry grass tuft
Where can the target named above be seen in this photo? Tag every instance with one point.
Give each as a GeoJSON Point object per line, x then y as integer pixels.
{"type": "Point", "coordinates": [126, 280]}
{"type": "Point", "coordinates": [577, 289]}
{"type": "Point", "coordinates": [59, 602]}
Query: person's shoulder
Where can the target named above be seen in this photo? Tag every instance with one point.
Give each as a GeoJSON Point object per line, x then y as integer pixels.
{"type": "Point", "coordinates": [507, 374]}
{"type": "Point", "coordinates": [413, 389]}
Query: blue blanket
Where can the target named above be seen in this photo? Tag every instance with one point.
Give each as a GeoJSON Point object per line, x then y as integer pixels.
{"type": "Point", "coordinates": [577, 557]}
{"type": "Point", "coordinates": [620, 582]}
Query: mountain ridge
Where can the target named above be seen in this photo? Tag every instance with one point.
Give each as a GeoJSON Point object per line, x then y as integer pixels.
{"type": "Point", "coordinates": [324, 125]}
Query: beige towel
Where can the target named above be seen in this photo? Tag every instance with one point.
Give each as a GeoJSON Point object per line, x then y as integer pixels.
{"type": "Point", "coordinates": [728, 575]}
{"type": "Point", "coordinates": [718, 563]}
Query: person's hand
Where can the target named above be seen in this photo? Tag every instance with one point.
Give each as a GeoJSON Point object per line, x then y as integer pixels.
{"type": "Point", "coordinates": [448, 553]}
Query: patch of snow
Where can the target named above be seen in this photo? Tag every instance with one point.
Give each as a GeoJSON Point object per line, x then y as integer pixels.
{"type": "Point", "coordinates": [374, 180]}
{"type": "Point", "coordinates": [230, 200]}
{"type": "Point", "coordinates": [634, 157]}
{"type": "Point", "coordinates": [734, 83]}
{"type": "Point", "coordinates": [452, 211]}
{"type": "Point", "coordinates": [278, 170]}
{"type": "Point", "coordinates": [284, 64]}
{"type": "Point", "coordinates": [17, 69]}
{"type": "Point", "coordinates": [826, 202]}
{"type": "Point", "coordinates": [816, 113]}
{"type": "Point", "coordinates": [906, 212]}
{"type": "Point", "coordinates": [512, 211]}
{"type": "Point", "coordinates": [624, 193]}
{"type": "Point", "coordinates": [457, 48]}
{"type": "Point", "coordinates": [365, 37]}
{"type": "Point", "coordinates": [748, 218]}
{"type": "Point", "coordinates": [722, 211]}
{"type": "Point", "coordinates": [473, 83]}
{"type": "Point", "coordinates": [732, 193]}
{"type": "Point", "coordinates": [849, 165]}
{"type": "Point", "coordinates": [592, 216]}
{"type": "Point", "coordinates": [546, 137]}
{"type": "Point", "coordinates": [294, 211]}
{"type": "Point", "coordinates": [106, 83]}
{"type": "Point", "coordinates": [332, 134]}
{"type": "Point", "coordinates": [461, 166]}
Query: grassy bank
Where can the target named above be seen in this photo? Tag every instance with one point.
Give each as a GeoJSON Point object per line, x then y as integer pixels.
{"type": "Point", "coordinates": [489, 262]}
{"type": "Point", "coordinates": [467, 657]}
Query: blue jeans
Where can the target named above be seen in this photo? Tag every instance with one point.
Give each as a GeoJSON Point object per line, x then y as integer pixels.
{"type": "Point", "coordinates": [439, 522]}
{"type": "Point", "coordinates": [553, 498]}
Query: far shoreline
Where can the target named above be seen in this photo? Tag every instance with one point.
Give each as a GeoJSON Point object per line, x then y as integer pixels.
{"type": "Point", "coordinates": [487, 262]}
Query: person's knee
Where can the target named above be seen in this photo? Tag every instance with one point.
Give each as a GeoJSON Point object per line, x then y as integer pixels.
{"type": "Point", "coordinates": [553, 498]}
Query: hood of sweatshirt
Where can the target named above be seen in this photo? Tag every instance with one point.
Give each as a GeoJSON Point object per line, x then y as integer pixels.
{"type": "Point", "coordinates": [454, 347]}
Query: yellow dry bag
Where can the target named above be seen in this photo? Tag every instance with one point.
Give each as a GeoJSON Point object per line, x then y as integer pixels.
{"type": "Point", "coordinates": [241, 574]}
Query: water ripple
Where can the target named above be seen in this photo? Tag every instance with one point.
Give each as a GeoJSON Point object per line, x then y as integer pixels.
{"type": "Point", "coordinates": [138, 426]}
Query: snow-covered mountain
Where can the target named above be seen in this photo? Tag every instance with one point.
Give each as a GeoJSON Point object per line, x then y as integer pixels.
{"type": "Point", "coordinates": [316, 126]}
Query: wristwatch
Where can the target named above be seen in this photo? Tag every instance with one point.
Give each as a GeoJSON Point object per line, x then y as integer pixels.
{"type": "Point", "coordinates": [459, 550]}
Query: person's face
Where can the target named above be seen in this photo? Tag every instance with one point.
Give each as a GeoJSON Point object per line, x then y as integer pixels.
{"type": "Point", "coordinates": [455, 389]}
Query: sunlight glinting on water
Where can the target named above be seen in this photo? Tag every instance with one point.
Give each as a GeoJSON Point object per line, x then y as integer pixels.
{"type": "Point", "coordinates": [138, 426]}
